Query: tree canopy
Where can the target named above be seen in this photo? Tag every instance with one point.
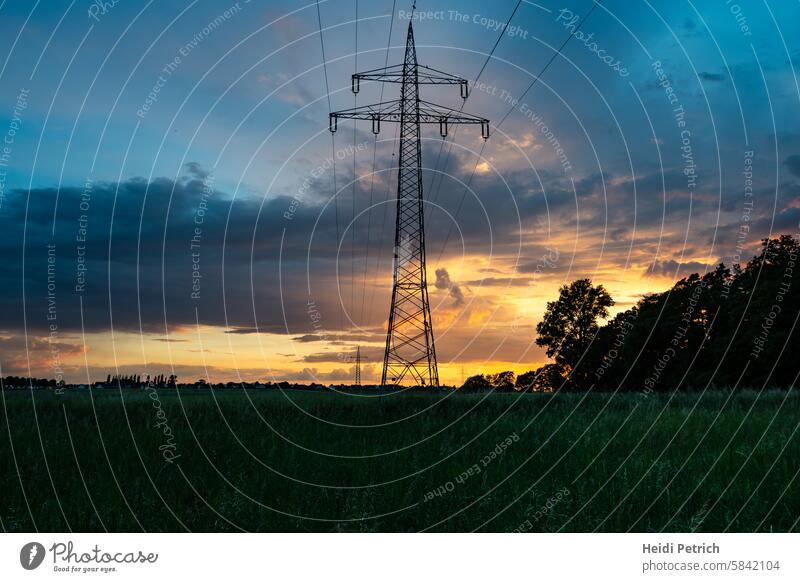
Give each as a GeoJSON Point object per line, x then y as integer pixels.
{"type": "Point", "coordinates": [728, 328]}
{"type": "Point", "coordinates": [570, 323]}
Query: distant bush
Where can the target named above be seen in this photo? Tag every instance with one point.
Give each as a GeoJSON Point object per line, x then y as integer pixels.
{"type": "Point", "coordinates": [548, 378]}
{"type": "Point", "coordinates": [502, 381]}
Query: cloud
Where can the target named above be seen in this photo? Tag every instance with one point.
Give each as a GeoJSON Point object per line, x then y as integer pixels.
{"type": "Point", "coordinates": [341, 338]}
{"type": "Point", "coordinates": [672, 269]}
{"type": "Point", "coordinates": [326, 357]}
{"type": "Point", "coordinates": [793, 163]}
{"type": "Point", "coordinates": [501, 281]}
{"type": "Point", "coordinates": [443, 281]}
{"type": "Point", "coordinates": [368, 353]}
{"type": "Point", "coordinates": [713, 77]}
{"type": "Point", "coordinates": [309, 337]}
{"type": "Point", "coordinates": [265, 273]}
{"type": "Point", "coordinates": [51, 355]}
{"type": "Point", "coordinates": [140, 267]}
{"type": "Point", "coordinates": [262, 272]}
{"type": "Point", "coordinates": [243, 330]}
{"type": "Point", "coordinates": [196, 170]}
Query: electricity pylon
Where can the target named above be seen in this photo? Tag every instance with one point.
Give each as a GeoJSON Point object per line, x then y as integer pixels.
{"type": "Point", "coordinates": [410, 348]}
{"type": "Point", "coordinates": [358, 367]}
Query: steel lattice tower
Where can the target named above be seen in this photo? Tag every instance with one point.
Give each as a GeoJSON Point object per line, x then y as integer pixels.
{"type": "Point", "coordinates": [410, 347]}
{"type": "Point", "coordinates": [358, 367]}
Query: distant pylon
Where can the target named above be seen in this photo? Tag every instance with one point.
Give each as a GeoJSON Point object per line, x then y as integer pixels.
{"type": "Point", "coordinates": [358, 367]}
{"type": "Point", "coordinates": [410, 348]}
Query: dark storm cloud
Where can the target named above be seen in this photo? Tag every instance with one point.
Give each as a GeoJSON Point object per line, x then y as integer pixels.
{"type": "Point", "coordinates": [255, 254]}
{"type": "Point", "coordinates": [140, 263]}
{"type": "Point", "coordinates": [139, 257]}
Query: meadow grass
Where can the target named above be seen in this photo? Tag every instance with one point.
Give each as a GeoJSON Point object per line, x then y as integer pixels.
{"type": "Point", "coordinates": [265, 460]}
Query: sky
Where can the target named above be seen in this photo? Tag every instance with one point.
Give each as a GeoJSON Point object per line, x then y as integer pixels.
{"type": "Point", "coordinates": [171, 200]}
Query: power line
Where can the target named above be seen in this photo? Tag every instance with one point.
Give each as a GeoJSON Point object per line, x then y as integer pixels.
{"type": "Point", "coordinates": [475, 82]}
{"type": "Point", "coordinates": [497, 42]}
{"type": "Point", "coordinates": [511, 109]}
{"type": "Point", "coordinates": [553, 58]}
{"type": "Point", "coordinates": [372, 178]}
{"type": "Point", "coordinates": [385, 215]}
{"type": "Point", "coordinates": [353, 222]}
{"type": "Point", "coordinates": [333, 139]}
{"type": "Point", "coordinates": [324, 60]}
{"type": "Point", "coordinates": [461, 202]}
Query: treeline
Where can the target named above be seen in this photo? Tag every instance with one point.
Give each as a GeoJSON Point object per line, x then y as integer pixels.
{"type": "Point", "coordinates": [730, 328]}
{"type": "Point", "coordinates": [134, 382]}
{"type": "Point", "coordinates": [25, 382]}
{"type": "Point", "coordinates": [112, 381]}
{"type": "Point", "coordinates": [137, 381]}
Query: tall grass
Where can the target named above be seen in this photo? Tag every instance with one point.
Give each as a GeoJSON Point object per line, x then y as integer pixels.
{"type": "Point", "coordinates": [302, 461]}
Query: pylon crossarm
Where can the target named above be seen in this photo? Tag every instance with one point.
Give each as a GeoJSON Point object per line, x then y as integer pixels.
{"type": "Point", "coordinates": [391, 111]}
{"type": "Point", "coordinates": [424, 76]}
{"type": "Point", "coordinates": [433, 112]}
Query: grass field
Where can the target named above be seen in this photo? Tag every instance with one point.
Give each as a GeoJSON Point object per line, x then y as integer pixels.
{"type": "Point", "coordinates": [314, 461]}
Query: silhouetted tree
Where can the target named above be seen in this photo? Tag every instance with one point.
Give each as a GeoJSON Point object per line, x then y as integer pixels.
{"type": "Point", "coordinates": [476, 383]}
{"type": "Point", "coordinates": [548, 378]}
{"type": "Point", "coordinates": [570, 323]}
{"type": "Point", "coordinates": [503, 381]}
{"type": "Point", "coordinates": [728, 327]}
